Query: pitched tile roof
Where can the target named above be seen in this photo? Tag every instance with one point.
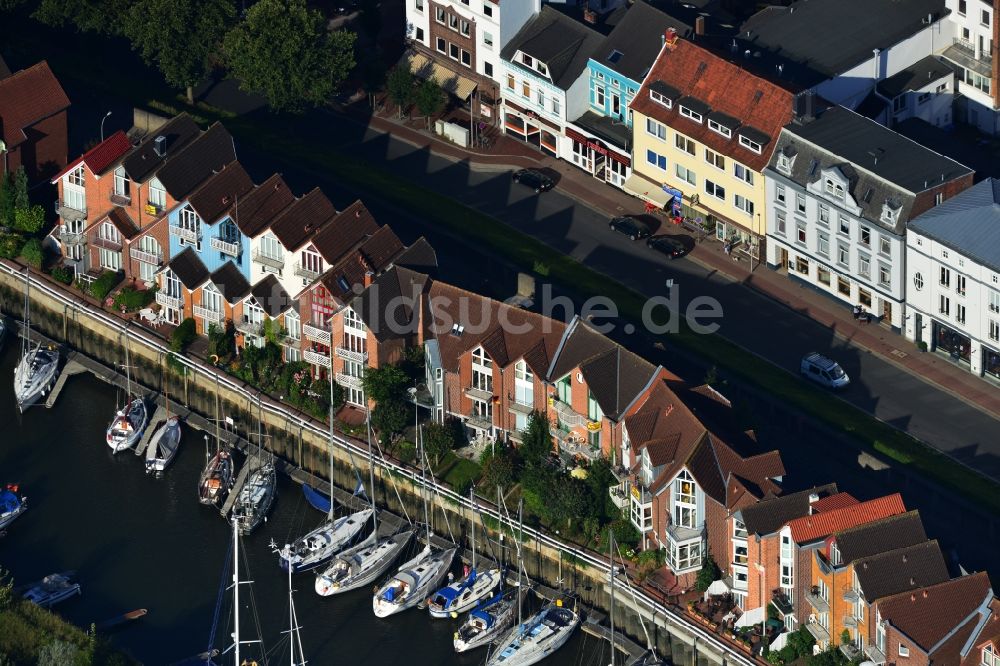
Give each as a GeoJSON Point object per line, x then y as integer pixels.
{"type": "Point", "coordinates": [760, 107]}
{"type": "Point", "coordinates": [123, 222]}
{"type": "Point", "coordinates": [879, 536]}
{"type": "Point", "coordinates": [631, 47]}
{"type": "Point", "coordinates": [26, 97]}
{"type": "Point", "coordinates": [300, 221]}
{"type": "Point", "coordinates": [895, 571]}
{"type": "Point", "coordinates": [563, 44]}
{"type": "Point", "coordinates": [400, 285]}
{"type": "Point", "coordinates": [188, 268]}
{"type": "Point", "coordinates": [196, 161]}
{"type": "Point", "coordinates": [220, 193]}
{"type": "Point", "coordinates": [271, 296]}
{"type": "Point", "coordinates": [418, 256]}
{"type": "Point", "coordinates": [262, 204]}
{"type": "Point", "coordinates": [101, 156]}
{"type": "Point", "coordinates": [371, 257]}
{"type": "Point", "coordinates": [230, 282]}
{"type": "Point", "coordinates": [820, 525]}
{"type": "Point", "coordinates": [177, 132]}
{"type": "Point", "coordinates": [344, 232]}
{"type": "Point", "coordinates": [926, 616]}
{"type": "Point", "coordinates": [834, 502]}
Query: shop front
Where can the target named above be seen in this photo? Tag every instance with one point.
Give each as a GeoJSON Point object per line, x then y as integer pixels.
{"type": "Point", "coordinates": [951, 343]}
{"type": "Point", "coordinates": [991, 363]}
{"type": "Point", "coordinates": [592, 151]}
{"type": "Point", "coordinates": [741, 241]}
{"type": "Point", "coordinates": [527, 126]}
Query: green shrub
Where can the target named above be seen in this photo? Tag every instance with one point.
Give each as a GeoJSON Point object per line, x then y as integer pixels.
{"type": "Point", "coordinates": [183, 335]}
{"type": "Point", "coordinates": [130, 300]}
{"type": "Point", "coordinates": [62, 274]}
{"type": "Point", "coordinates": [29, 220]}
{"type": "Point", "coordinates": [406, 451]}
{"type": "Point", "coordinates": [102, 286]}
{"type": "Point", "coordinates": [10, 245]}
{"type": "Point", "coordinates": [922, 346]}
{"type": "Point", "coordinates": [33, 254]}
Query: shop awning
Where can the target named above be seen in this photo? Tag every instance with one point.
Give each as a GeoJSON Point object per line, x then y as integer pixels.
{"type": "Point", "coordinates": [647, 190]}
{"type": "Point", "coordinates": [455, 84]}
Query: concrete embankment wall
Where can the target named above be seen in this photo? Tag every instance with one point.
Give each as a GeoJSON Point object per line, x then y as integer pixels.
{"type": "Point", "coordinates": [66, 317]}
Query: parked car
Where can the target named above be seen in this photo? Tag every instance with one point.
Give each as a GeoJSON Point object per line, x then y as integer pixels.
{"type": "Point", "coordinates": [631, 227]}
{"type": "Point", "coordinates": [667, 245]}
{"type": "Point", "coordinates": [824, 371]}
{"type": "Point", "coordinates": [534, 179]}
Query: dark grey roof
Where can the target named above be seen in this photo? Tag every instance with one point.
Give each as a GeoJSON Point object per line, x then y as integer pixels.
{"type": "Point", "coordinates": [828, 38]}
{"type": "Point", "coordinates": [143, 161]}
{"type": "Point", "coordinates": [724, 120]}
{"type": "Point", "coordinates": [188, 268]}
{"type": "Point", "coordinates": [901, 570]}
{"type": "Point", "coordinates": [198, 160]}
{"type": "Point", "coordinates": [390, 305]}
{"type": "Point", "coordinates": [880, 165]}
{"type": "Point", "coordinates": [918, 75]}
{"type": "Point", "coordinates": [968, 223]}
{"type": "Point", "coordinates": [899, 531]}
{"type": "Point", "coordinates": [271, 296]}
{"type": "Point", "coordinates": [637, 37]}
{"type": "Point", "coordinates": [694, 104]}
{"type": "Point", "coordinates": [419, 256]}
{"type": "Point", "coordinates": [605, 128]}
{"type": "Point", "coordinates": [562, 44]}
{"type": "Point", "coordinates": [665, 89]}
{"type": "Point", "coordinates": [872, 106]}
{"type": "Point", "coordinates": [768, 516]}
{"type": "Point", "coordinates": [231, 283]}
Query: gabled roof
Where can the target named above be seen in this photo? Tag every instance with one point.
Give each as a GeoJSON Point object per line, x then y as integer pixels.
{"type": "Point", "coordinates": [920, 74]}
{"type": "Point", "coordinates": [301, 220]}
{"type": "Point", "coordinates": [419, 256]}
{"type": "Point", "coordinates": [372, 256]}
{"type": "Point", "coordinates": [879, 536]}
{"type": "Point", "coordinates": [399, 285]}
{"type": "Point", "coordinates": [834, 502]}
{"type": "Point", "coordinates": [197, 160]}
{"type": "Point", "coordinates": [344, 232]}
{"type": "Point", "coordinates": [188, 268]}
{"type": "Point", "coordinates": [811, 528]}
{"type": "Point", "coordinates": [120, 218]}
{"type": "Point", "coordinates": [717, 85]}
{"type": "Point", "coordinates": [262, 204]}
{"type": "Point", "coordinates": [899, 570]}
{"type": "Point", "coordinates": [26, 97]}
{"type": "Point", "coordinates": [221, 192]}
{"type": "Point", "coordinates": [770, 515]}
{"type": "Point", "coordinates": [230, 282]}
{"type": "Point", "coordinates": [633, 44]}
{"type": "Point", "coordinates": [926, 616]}
{"type": "Point", "coordinates": [271, 296]}
{"type": "Point", "coordinates": [99, 158]}
{"type": "Point", "coordinates": [968, 223]}
{"type": "Point", "coordinates": [177, 133]}
{"type": "Point", "coordinates": [562, 44]}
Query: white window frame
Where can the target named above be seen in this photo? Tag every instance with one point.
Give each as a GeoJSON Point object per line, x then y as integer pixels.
{"type": "Point", "coordinates": [691, 115]}
{"type": "Point", "coordinates": [661, 99]}
{"type": "Point", "coordinates": [719, 129]}
{"type": "Point", "coordinates": [750, 144]}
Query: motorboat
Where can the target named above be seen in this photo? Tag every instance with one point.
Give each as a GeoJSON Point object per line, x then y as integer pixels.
{"type": "Point", "coordinates": [256, 498]}
{"type": "Point", "coordinates": [413, 582]}
{"type": "Point", "coordinates": [36, 372]}
{"type": "Point", "coordinates": [318, 546]}
{"type": "Point", "coordinates": [544, 633]}
{"type": "Point", "coordinates": [128, 426]}
{"type": "Point", "coordinates": [361, 565]}
{"type": "Point", "coordinates": [52, 590]}
{"type": "Point", "coordinates": [217, 478]}
{"type": "Point", "coordinates": [487, 622]}
{"type": "Point", "coordinates": [12, 505]}
{"type": "Point", "coordinates": [464, 594]}
{"type": "Point", "coordinates": [163, 445]}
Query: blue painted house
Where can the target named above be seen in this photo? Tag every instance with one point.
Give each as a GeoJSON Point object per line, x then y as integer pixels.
{"type": "Point", "coordinates": [602, 135]}
{"type": "Point", "coordinates": [205, 221]}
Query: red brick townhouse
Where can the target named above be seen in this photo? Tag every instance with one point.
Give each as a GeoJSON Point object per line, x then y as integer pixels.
{"type": "Point", "coordinates": [33, 127]}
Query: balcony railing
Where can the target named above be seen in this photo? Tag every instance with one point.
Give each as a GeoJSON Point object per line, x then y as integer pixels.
{"type": "Point", "coordinates": [268, 260]}
{"type": "Point", "coordinates": [679, 533]}
{"type": "Point", "coordinates": [169, 301]}
{"type": "Point", "coordinates": [120, 199]}
{"type": "Point", "coordinates": [520, 407]}
{"type": "Point", "coordinates": [316, 334]}
{"type": "Point", "coordinates": [850, 621]}
{"type": "Point", "coordinates": [107, 244]}
{"type": "Point", "coordinates": [479, 421]}
{"type": "Point", "coordinates": [316, 358]}
{"type": "Point", "coordinates": [850, 651]}
{"type": "Point", "coordinates": [567, 414]}
{"type": "Point", "coordinates": [351, 355]}
{"type": "Point", "coordinates": [145, 257]}
{"type": "Point", "coordinates": [966, 54]}
{"type": "Point", "coordinates": [349, 381]}
{"type": "Point", "coordinates": [478, 393]}
{"type": "Point", "coordinates": [818, 632]}
{"type": "Point", "coordinates": [306, 272]}
{"type": "Point", "coordinates": [641, 494]}
{"type": "Point", "coordinates": [850, 595]}
{"type": "Point", "coordinates": [69, 212]}
{"type": "Point", "coordinates": [619, 497]}
{"type": "Point", "coordinates": [250, 327]}
{"type": "Point", "coordinates": [873, 653]}
{"type": "Point", "coordinates": [224, 246]}
{"type": "Point", "coordinates": [207, 314]}
{"type": "Point", "coordinates": [72, 238]}
{"type": "Point", "coordinates": [782, 602]}
{"type": "Point", "coordinates": [189, 235]}
{"type": "Point", "coordinates": [816, 601]}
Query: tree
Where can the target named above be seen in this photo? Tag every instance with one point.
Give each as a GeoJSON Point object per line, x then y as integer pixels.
{"type": "Point", "coordinates": [498, 469]}
{"type": "Point", "coordinates": [179, 37]}
{"type": "Point", "coordinates": [400, 87]}
{"type": "Point", "coordinates": [708, 573]}
{"type": "Point", "coordinates": [389, 417]}
{"type": "Point", "coordinates": [222, 340]}
{"type": "Point", "coordinates": [29, 220]}
{"type": "Point", "coordinates": [100, 16]}
{"type": "Point", "coordinates": [6, 201]}
{"type": "Point", "coordinates": [20, 190]}
{"type": "Point", "coordinates": [386, 383]}
{"type": "Point", "coordinates": [568, 499]}
{"type": "Point", "coordinates": [429, 99]}
{"type": "Point", "coordinates": [32, 253]}
{"type": "Point", "coordinates": [283, 51]}
{"type": "Point", "coordinates": [536, 444]}
{"type": "Point", "coordinates": [439, 439]}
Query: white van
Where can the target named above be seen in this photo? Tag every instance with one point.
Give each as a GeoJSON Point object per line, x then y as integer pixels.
{"type": "Point", "coordinates": [823, 371]}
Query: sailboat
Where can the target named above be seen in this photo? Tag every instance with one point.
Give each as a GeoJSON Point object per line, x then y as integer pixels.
{"type": "Point", "coordinates": [259, 490]}
{"type": "Point", "coordinates": [649, 657]}
{"type": "Point", "coordinates": [165, 442]}
{"type": "Point", "coordinates": [236, 647]}
{"type": "Point", "coordinates": [12, 505]}
{"type": "Point", "coordinates": [419, 576]}
{"type": "Point", "coordinates": [218, 475]}
{"type": "Point", "coordinates": [130, 421]}
{"type": "Point", "coordinates": [466, 593]}
{"type": "Point", "coordinates": [36, 371]}
{"type": "Point", "coordinates": [333, 535]}
{"type": "Point", "coordinates": [363, 564]}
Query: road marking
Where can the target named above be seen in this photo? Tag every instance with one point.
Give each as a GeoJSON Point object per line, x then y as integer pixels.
{"type": "Point", "coordinates": [899, 353]}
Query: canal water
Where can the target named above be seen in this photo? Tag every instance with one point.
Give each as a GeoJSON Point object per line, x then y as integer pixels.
{"type": "Point", "coordinates": [140, 542]}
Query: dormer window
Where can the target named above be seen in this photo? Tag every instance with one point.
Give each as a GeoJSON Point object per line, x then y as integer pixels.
{"type": "Point", "coordinates": [834, 189]}
{"type": "Point", "coordinates": [527, 60]}
{"type": "Point", "coordinates": [661, 99]}
{"type": "Point", "coordinates": [785, 163]}
{"type": "Point", "coordinates": [719, 129]}
{"type": "Point", "coordinates": [615, 56]}
{"type": "Point", "coordinates": [75, 177]}
{"type": "Point", "coordinates": [750, 144]}
{"type": "Point", "coordinates": [693, 115]}
{"type": "Point", "coordinates": [889, 213]}
{"type": "Point", "coordinates": [542, 69]}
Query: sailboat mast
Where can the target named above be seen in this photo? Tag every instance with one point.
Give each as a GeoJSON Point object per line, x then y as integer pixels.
{"type": "Point", "coordinates": [236, 593]}
{"type": "Point", "coordinates": [520, 562]}
{"type": "Point", "coordinates": [128, 369]}
{"type": "Point", "coordinates": [611, 580]}
{"type": "Point", "coordinates": [371, 472]}
{"type": "Point", "coordinates": [472, 524]}
{"type": "Point", "coordinates": [423, 476]}
{"type": "Point", "coordinates": [329, 512]}
{"type": "Point", "coordinates": [26, 333]}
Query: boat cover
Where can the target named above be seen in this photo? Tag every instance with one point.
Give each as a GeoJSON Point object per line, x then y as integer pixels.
{"type": "Point", "coordinates": [316, 499]}
{"type": "Point", "coordinates": [9, 501]}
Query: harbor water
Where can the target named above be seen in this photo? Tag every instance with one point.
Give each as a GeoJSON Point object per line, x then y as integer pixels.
{"type": "Point", "coordinates": [136, 541]}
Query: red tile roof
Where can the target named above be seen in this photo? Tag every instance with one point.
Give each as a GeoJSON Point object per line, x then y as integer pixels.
{"type": "Point", "coordinates": [27, 97]}
{"type": "Point", "coordinates": [834, 502]}
{"type": "Point", "coordinates": [929, 614]}
{"type": "Point", "coordinates": [821, 525]}
{"type": "Point", "coordinates": [727, 89]}
{"type": "Point", "coordinates": [101, 156]}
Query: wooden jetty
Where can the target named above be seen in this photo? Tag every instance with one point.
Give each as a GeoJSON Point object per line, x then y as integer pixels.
{"type": "Point", "coordinates": [68, 370]}
{"type": "Point", "coordinates": [159, 415]}
{"type": "Point", "coordinates": [591, 625]}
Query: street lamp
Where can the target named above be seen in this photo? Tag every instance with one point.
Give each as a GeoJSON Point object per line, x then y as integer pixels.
{"type": "Point", "coordinates": [102, 124]}
{"type": "Point", "coordinates": [3, 149]}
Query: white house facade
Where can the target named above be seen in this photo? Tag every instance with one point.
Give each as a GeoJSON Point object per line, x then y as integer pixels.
{"type": "Point", "coordinates": [969, 44]}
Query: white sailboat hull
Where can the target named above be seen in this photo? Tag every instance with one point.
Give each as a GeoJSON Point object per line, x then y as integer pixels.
{"type": "Point", "coordinates": [256, 499]}
{"type": "Point", "coordinates": [465, 598]}
{"type": "Point", "coordinates": [413, 582]}
{"type": "Point", "coordinates": [35, 375]}
{"type": "Point", "coordinates": [361, 565]}
{"type": "Point", "coordinates": [536, 639]}
{"type": "Point", "coordinates": [472, 635]}
{"type": "Point", "coordinates": [317, 547]}
{"type": "Point", "coordinates": [128, 426]}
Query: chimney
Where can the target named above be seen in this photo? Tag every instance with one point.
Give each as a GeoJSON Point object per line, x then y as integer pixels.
{"type": "Point", "coordinates": [876, 65]}
{"type": "Point", "coordinates": [671, 34]}
{"type": "Point", "coordinates": [160, 146]}
{"type": "Point", "coordinates": [699, 25]}
{"type": "Point", "coordinates": [913, 597]}
{"type": "Point", "coordinates": [813, 498]}
{"type": "Point", "coordinates": [590, 16]}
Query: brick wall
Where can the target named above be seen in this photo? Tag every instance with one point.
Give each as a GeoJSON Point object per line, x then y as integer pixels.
{"type": "Point", "coordinates": [925, 200]}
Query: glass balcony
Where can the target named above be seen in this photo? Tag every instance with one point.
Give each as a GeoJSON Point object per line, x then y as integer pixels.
{"type": "Point", "coordinates": [873, 653]}
{"type": "Point", "coordinates": [247, 327]}
{"type": "Point", "coordinates": [478, 394]}
{"type": "Point", "coordinates": [107, 244]}
{"type": "Point", "coordinates": [567, 414]}
{"type": "Point", "coordinates": [781, 600]}
{"type": "Point", "coordinates": [818, 632]}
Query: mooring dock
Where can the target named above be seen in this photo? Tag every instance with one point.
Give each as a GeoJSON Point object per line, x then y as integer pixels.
{"type": "Point", "coordinates": [159, 415]}
{"type": "Point", "coordinates": [68, 370]}
{"type": "Point", "coordinates": [251, 464]}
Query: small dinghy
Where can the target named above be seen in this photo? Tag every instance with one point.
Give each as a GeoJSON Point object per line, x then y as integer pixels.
{"type": "Point", "coordinates": [163, 445]}
{"type": "Point", "coordinates": [52, 590]}
{"type": "Point", "coordinates": [12, 505]}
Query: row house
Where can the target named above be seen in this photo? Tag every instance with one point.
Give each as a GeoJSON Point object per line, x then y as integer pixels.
{"type": "Point", "coordinates": [841, 190]}
{"type": "Point", "coordinates": [458, 43]}
{"type": "Point", "coordinates": [952, 623]}
{"type": "Point", "coordinates": [543, 85]}
{"type": "Point", "coordinates": [704, 128]}
{"type": "Point", "coordinates": [923, 90]}
{"type": "Point", "coordinates": [205, 221]}
{"type": "Point", "coordinates": [969, 44]}
{"type": "Point", "coordinates": [177, 282]}
{"type": "Point", "coordinates": [33, 126]}
{"type": "Point", "coordinates": [953, 279]}
{"type": "Point", "coordinates": [600, 138]}
{"type": "Point", "coordinates": [687, 480]}
{"type": "Point", "coordinates": [219, 298]}
{"type": "Point", "coordinates": [268, 301]}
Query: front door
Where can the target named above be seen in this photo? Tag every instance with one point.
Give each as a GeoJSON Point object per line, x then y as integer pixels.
{"type": "Point", "coordinates": [616, 104]}
{"type": "Point", "coordinates": [599, 166]}
{"type": "Point", "coordinates": [887, 311]}
{"type": "Point", "coordinates": [782, 258]}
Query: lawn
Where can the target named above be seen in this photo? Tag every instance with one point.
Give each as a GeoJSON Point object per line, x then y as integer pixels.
{"type": "Point", "coordinates": [457, 472]}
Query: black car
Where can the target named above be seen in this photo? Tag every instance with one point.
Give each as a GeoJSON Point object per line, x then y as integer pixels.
{"type": "Point", "coordinates": [630, 226]}
{"type": "Point", "coordinates": [671, 247]}
{"type": "Point", "coordinates": [534, 179]}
